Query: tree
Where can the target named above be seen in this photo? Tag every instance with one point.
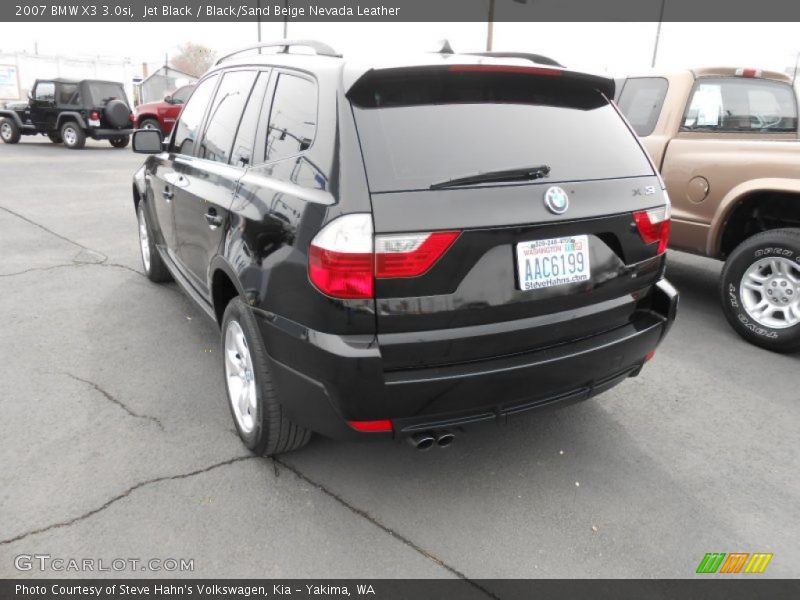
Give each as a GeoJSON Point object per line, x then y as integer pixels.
{"type": "Point", "coordinates": [194, 59]}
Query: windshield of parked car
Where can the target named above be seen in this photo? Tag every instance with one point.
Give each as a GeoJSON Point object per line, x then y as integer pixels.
{"type": "Point", "coordinates": [100, 92]}
{"type": "Point", "coordinates": [423, 127]}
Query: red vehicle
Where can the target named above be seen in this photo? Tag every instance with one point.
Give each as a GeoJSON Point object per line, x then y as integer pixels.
{"type": "Point", "coordinates": [162, 115]}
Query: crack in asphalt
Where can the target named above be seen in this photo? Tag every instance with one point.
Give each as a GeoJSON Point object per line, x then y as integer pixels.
{"type": "Point", "coordinates": [75, 264]}
{"type": "Point", "coordinates": [114, 400]}
{"type": "Point", "coordinates": [319, 486]}
{"type": "Point", "coordinates": [50, 268]}
{"type": "Point", "coordinates": [50, 231]}
{"type": "Point", "coordinates": [385, 528]}
{"type": "Point", "coordinates": [123, 495]}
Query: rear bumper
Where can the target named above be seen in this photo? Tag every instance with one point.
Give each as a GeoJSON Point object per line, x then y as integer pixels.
{"type": "Point", "coordinates": [104, 134]}
{"type": "Point", "coordinates": [325, 380]}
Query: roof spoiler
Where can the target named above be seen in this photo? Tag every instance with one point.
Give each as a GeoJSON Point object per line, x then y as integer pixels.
{"type": "Point", "coordinates": [604, 85]}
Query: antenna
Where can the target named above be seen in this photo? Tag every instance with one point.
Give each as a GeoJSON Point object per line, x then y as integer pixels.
{"type": "Point", "coordinates": [444, 47]}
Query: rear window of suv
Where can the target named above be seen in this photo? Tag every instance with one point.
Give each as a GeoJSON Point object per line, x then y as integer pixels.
{"type": "Point", "coordinates": [426, 126]}
{"type": "Point", "coordinates": [100, 92]}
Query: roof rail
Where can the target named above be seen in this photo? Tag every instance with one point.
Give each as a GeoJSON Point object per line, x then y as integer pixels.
{"type": "Point", "coordinates": [319, 48]}
{"type": "Point", "coordinates": [537, 58]}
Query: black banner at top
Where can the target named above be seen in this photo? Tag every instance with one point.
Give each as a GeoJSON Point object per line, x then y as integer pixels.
{"type": "Point", "coordinates": [399, 10]}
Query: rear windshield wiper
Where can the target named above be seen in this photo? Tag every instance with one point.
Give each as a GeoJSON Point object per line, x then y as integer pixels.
{"type": "Point", "coordinates": [520, 174]}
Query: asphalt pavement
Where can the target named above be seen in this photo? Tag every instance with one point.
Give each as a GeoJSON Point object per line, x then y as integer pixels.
{"type": "Point", "coordinates": [116, 441]}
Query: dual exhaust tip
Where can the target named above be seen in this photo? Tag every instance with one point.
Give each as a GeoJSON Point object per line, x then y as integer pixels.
{"type": "Point", "coordinates": [426, 440]}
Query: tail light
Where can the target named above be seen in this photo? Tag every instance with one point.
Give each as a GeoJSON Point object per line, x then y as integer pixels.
{"type": "Point", "coordinates": [504, 69]}
{"type": "Point", "coordinates": [653, 226]}
{"type": "Point", "coordinates": [410, 255]}
{"type": "Point", "coordinates": [748, 72]}
{"type": "Point", "coordinates": [94, 115]}
{"type": "Point", "coordinates": [340, 260]}
{"type": "Point", "coordinates": [343, 261]}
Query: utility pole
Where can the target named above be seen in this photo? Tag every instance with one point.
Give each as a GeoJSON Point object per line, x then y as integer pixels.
{"type": "Point", "coordinates": [490, 23]}
{"type": "Point", "coordinates": [258, 21]}
{"type": "Point", "coordinates": [658, 34]}
{"type": "Point", "coordinates": [286, 20]}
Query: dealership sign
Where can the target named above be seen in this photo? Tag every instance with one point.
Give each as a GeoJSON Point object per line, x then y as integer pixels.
{"type": "Point", "coordinates": [9, 83]}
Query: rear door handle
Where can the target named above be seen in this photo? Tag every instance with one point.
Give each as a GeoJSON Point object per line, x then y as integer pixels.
{"type": "Point", "coordinates": [213, 219]}
{"type": "Point", "coordinates": [167, 193]}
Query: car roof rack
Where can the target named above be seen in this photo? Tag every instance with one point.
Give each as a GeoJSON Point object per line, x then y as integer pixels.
{"type": "Point", "coordinates": [537, 58]}
{"type": "Point", "coordinates": [319, 48]}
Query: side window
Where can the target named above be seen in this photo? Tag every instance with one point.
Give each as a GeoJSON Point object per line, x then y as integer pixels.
{"type": "Point", "coordinates": [68, 94]}
{"type": "Point", "coordinates": [741, 104]}
{"type": "Point", "coordinates": [226, 112]}
{"type": "Point", "coordinates": [242, 153]}
{"type": "Point", "coordinates": [640, 100]}
{"type": "Point", "coordinates": [188, 128]}
{"type": "Point", "coordinates": [46, 91]}
{"type": "Point", "coordinates": [181, 95]}
{"type": "Point", "coordinates": [293, 118]}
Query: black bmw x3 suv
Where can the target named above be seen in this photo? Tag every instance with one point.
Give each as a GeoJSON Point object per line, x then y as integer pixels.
{"type": "Point", "coordinates": [402, 249]}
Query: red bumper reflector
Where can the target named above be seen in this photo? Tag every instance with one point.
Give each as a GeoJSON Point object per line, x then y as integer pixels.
{"type": "Point", "coordinates": [371, 426]}
{"type": "Point", "coordinates": [649, 355]}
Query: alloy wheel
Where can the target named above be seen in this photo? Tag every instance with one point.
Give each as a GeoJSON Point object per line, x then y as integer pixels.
{"type": "Point", "coordinates": [144, 239]}
{"type": "Point", "coordinates": [770, 292]}
{"type": "Point", "coordinates": [240, 377]}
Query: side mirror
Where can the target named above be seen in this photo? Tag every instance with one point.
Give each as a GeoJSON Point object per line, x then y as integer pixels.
{"type": "Point", "coordinates": [147, 141]}
{"type": "Point", "coordinates": [168, 99]}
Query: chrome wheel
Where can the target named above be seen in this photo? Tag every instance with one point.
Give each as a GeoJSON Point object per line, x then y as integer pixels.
{"type": "Point", "coordinates": [70, 136]}
{"type": "Point", "coordinates": [5, 130]}
{"type": "Point", "coordinates": [770, 292]}
{"type": "Point", "coordinates": [239, 377]}
{"type": "Point", "coordinates": [144, 239]}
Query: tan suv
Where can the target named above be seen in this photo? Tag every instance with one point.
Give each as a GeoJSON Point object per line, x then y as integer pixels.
{"type": "Point", "coordinates": [726, 143]}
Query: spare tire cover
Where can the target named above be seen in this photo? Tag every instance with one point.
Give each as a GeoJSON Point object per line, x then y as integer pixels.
{"type": "Point", "coordinates": [117, 113]}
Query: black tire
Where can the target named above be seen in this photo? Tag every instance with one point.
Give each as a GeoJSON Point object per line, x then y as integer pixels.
{"type": "Point", "coordinates": [153, 265]}
{"type": "Point", "coordinates": [72, 135]}
{"type": "Point", "coordinates": [272, 432]}
{"type": "Point", "coordinates": [9, 131]}
{"type": "Point", "coordinates": [55, 137]}
{"type": "Point", "coordinates": [121, 141]}
{"type": "Point", "coordinates": [149, 124]}
{"type": "Point", "coordinates": [783, 286]}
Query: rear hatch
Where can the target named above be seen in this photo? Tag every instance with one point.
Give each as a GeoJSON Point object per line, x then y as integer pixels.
{"type": "Point", "coordinates": [529, 179]}
{"type": "Point", "coordinates": [100, 94]}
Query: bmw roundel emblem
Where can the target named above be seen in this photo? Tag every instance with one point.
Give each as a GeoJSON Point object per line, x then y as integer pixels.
{"type": "Point", "coordinates": [556, 200]}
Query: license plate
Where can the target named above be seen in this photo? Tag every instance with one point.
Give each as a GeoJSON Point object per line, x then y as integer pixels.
{"type": "Point", "coordinates": [557, 261]}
